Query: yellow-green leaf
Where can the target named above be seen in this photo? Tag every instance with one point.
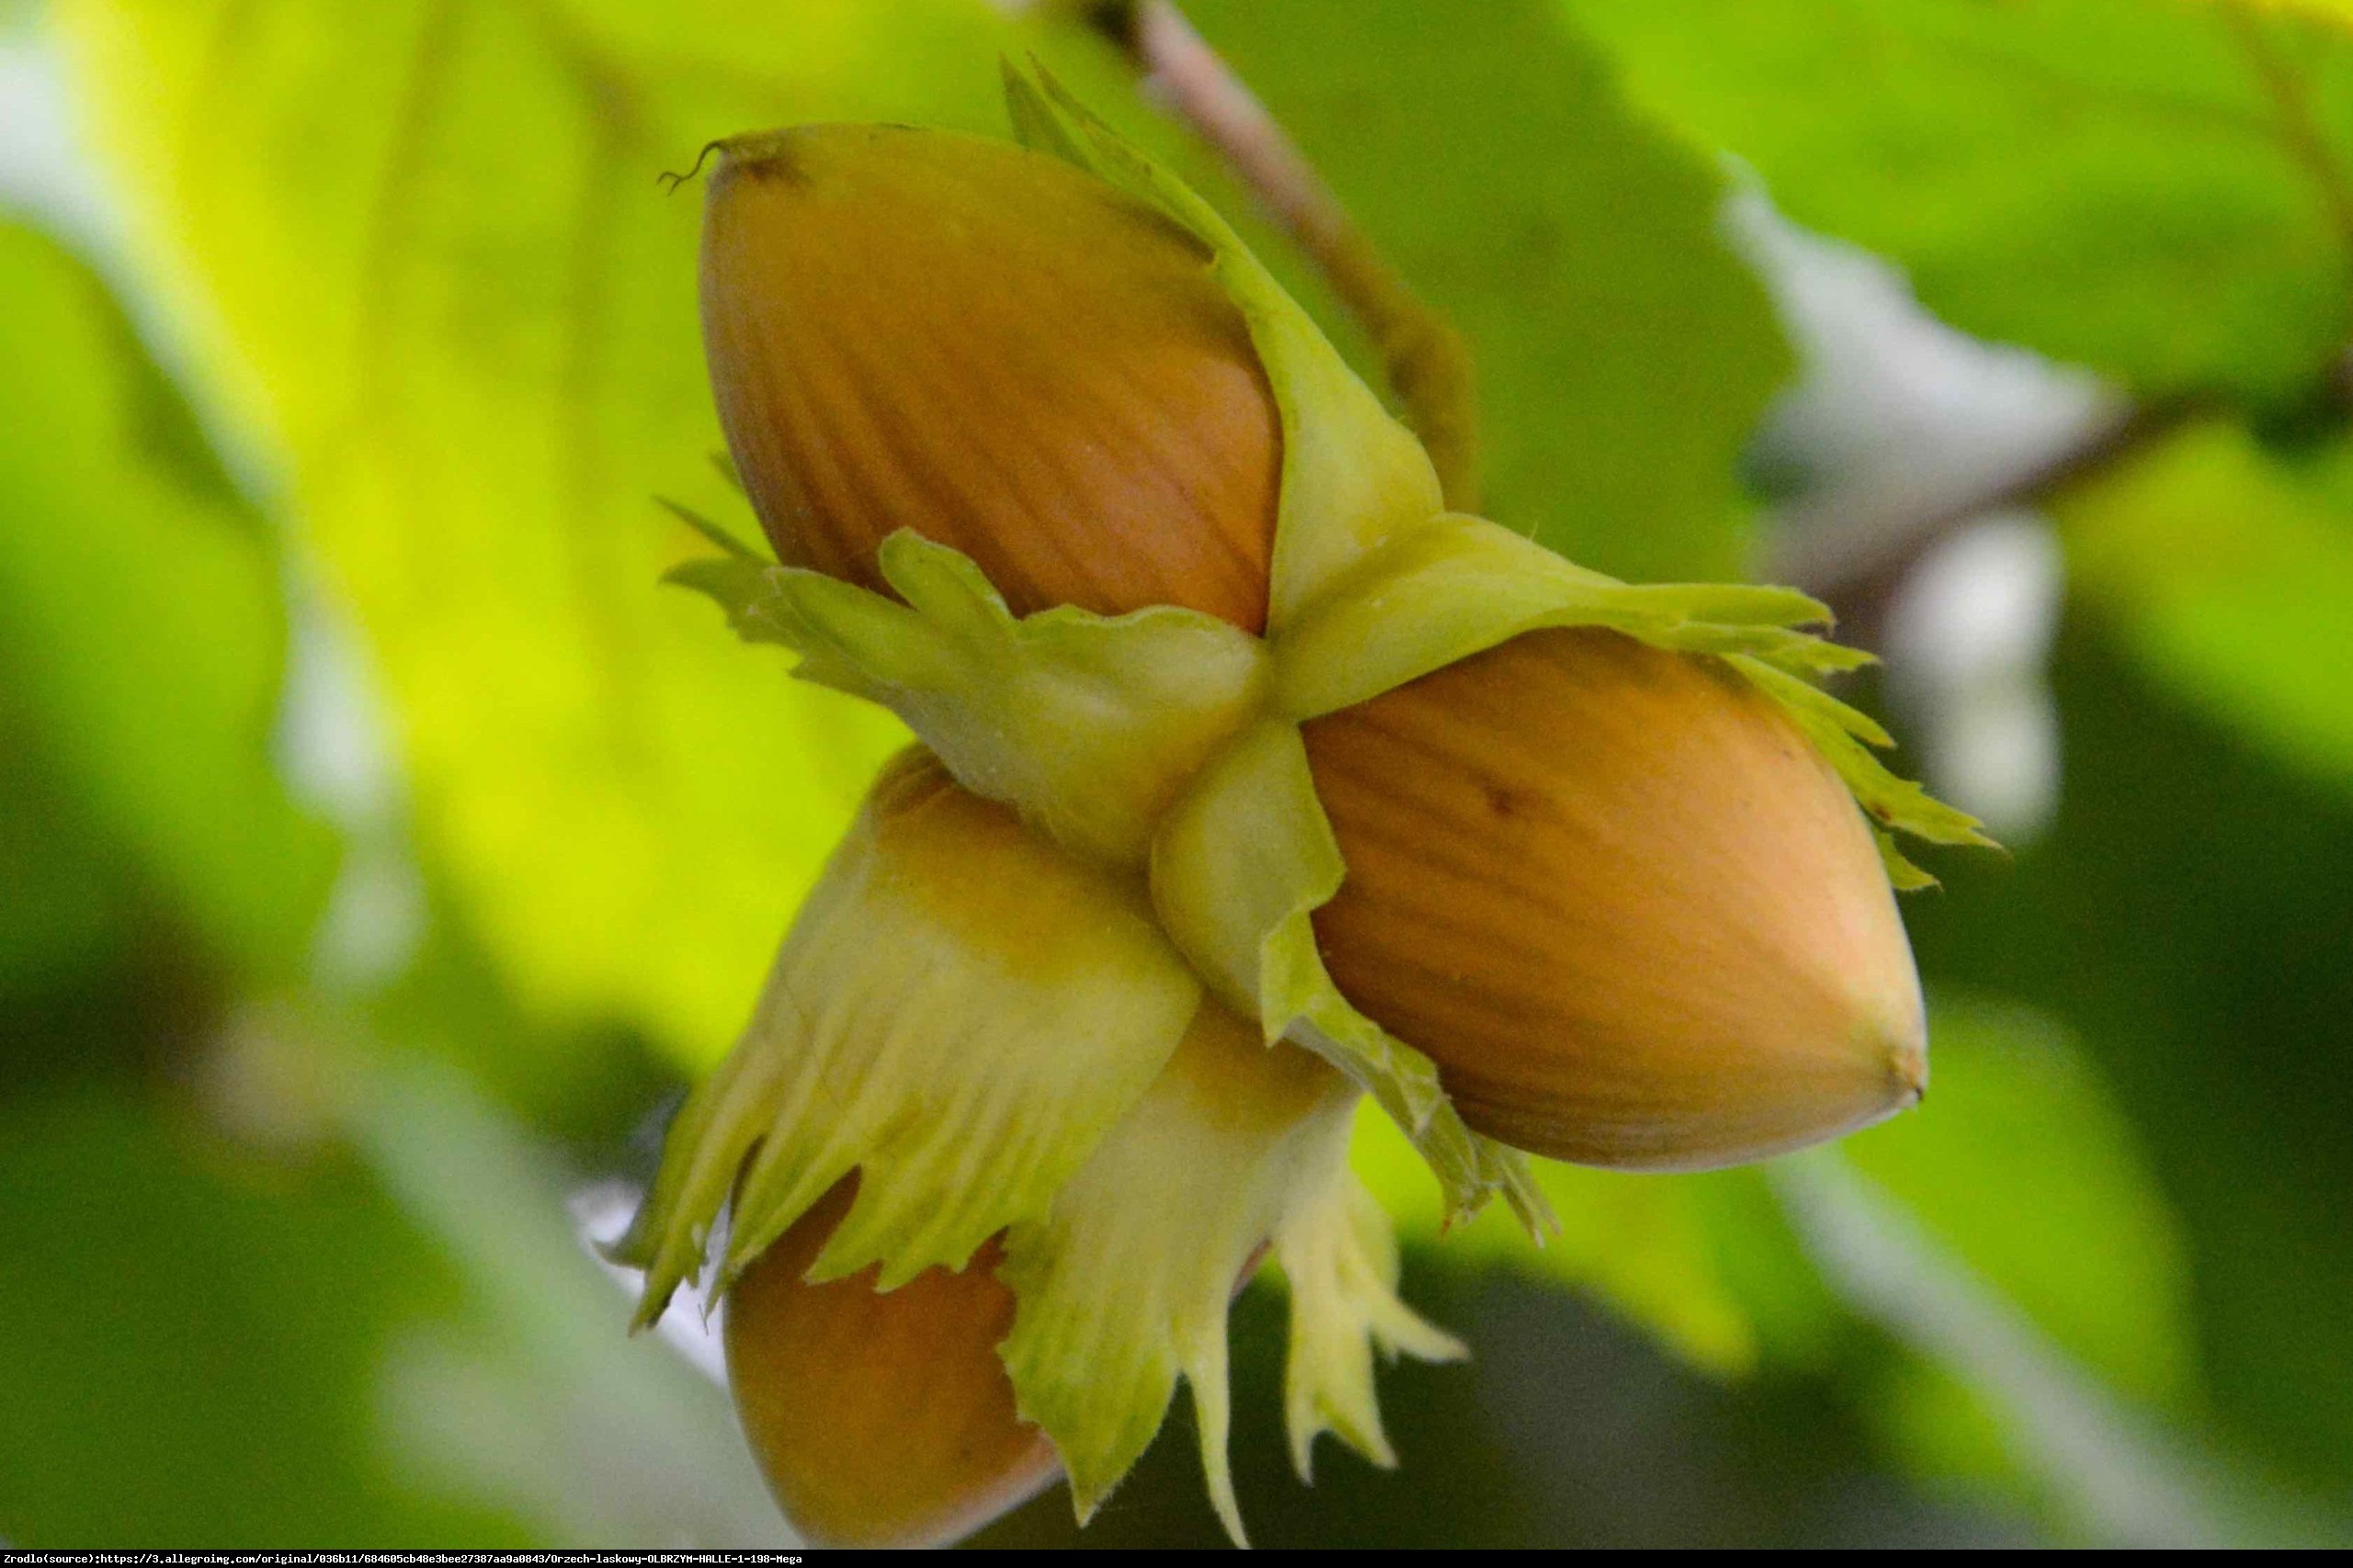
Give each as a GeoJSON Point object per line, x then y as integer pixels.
{"type": "Point", "coordinates": [420, 249]}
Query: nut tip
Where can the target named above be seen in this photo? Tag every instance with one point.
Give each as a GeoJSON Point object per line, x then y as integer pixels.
{"type": "Point", "coordinates": [1908, 1063]}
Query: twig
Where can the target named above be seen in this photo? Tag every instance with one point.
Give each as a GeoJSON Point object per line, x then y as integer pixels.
{"type": "Point", "coordinates": [1424, 359]}
{"type": "Point", "coordinates": [1859, 582]}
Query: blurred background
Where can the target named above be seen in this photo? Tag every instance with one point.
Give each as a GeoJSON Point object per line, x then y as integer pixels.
{"type": "Point", "coordinates": [381, 850]}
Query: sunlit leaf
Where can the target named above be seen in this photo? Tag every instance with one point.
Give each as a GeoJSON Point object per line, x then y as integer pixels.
{"type": "Point", "coordinates": [2158, 190]}
{"type": "Point", "coordinates": [420, 248]}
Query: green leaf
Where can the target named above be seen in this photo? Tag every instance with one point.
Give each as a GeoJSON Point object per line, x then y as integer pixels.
{"type": "Point", "coordinates": [142, 635]}
{"type": "Point", "coordinates": [2228, 573]}
{"type": "Point", "coordinates": [318, 1299]}
{"type": "Point", "coordinates": [2184, 917]}
{"type": "Point", "coordinates": [1623, 352]}
{"type": "Point", "coordinates": [2109, 1470]}
{"type": "Point", "coordinates": [194, 1340]}
{"type": "Point", "coordinates": [2156, 190]}
{"type": "Point", "coordinates": [68, 908]}
{"type": "Point", "coordinates": [2021, 1164]}
{"type": "Point", "coordinates": [420, 250]}
{"type": "Point", "coordinates": [529, 1399]}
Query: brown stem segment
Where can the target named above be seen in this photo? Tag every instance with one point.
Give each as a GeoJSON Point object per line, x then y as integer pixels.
{"type": "Point", "coordinates": [1859, 581]}
{"type": "Point", "coordinates": [1424, 358]}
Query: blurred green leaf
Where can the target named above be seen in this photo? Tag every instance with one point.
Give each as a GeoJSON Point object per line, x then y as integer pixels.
{"type": "Point", "coordinates": [2110, 1471]}
{"type": "Point", "coordinates": [391, 1342]}
{"type": "Point", "coordinates": [1641, 1243]}
{"type": "Point", "coordinates": [1762, 1263]}
{"type": "Point", "coordinates": [2020, 1165]}
{"type": "Point", "coordinates": [2185, 917]}
{"type": "Point", "coordinates": [1946, 1429]}
{"type": "Point", "coordinates": [2158, 190]}
{"type": "Point", "coordinates": [64, 905]}
{"type": "Point", "coordinates": [142, 636]}
{"type": "Point", "coordinates": [193, 1338]}
{"type": "Point", "coordinates": [1624, 354]}
{"type": "Point", "coordinates": [2231, 574]}
{"type": "Point", "coordinates": [536, 1402]}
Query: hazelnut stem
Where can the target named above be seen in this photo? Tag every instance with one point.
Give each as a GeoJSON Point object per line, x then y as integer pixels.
{"type": "Point", "coordinates": [1423, 358]}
